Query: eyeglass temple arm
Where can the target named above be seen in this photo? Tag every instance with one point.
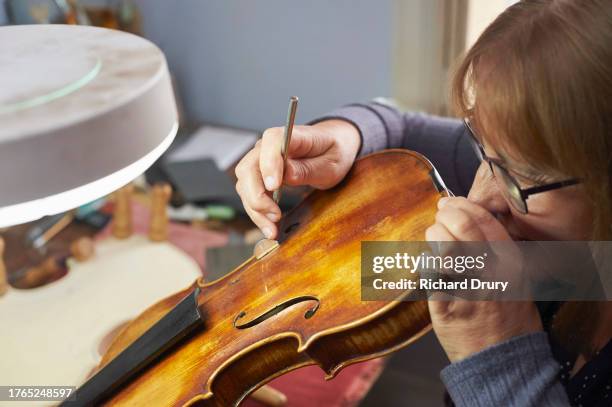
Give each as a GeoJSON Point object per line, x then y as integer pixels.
{"type": "Point", "coordinates": [548, 187]}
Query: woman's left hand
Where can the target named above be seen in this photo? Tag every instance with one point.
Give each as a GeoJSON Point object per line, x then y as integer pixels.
{"type": "Point", "coordinates": [465, 327]}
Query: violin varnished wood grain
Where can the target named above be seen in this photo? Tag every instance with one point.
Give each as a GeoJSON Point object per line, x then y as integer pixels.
{"type": "Point", "coordinates": [315, 273]}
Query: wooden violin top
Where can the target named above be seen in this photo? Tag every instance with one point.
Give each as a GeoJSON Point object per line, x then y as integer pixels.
{"type": "Point", "coordinates": [301, 303]}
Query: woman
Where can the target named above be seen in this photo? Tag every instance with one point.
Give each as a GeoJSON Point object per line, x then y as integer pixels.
{"type": "Point", "coordinates": [536, 94]}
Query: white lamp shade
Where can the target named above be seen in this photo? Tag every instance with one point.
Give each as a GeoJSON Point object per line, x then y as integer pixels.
{"type": "Point", "coordinates": [83, 111]}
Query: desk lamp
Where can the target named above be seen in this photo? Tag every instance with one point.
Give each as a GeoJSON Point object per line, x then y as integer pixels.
{"type": "Point", "coordinates": [83, 111]}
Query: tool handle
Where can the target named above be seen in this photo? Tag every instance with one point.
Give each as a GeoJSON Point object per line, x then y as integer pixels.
{"type": "Point", "coordinates": [293, 102]}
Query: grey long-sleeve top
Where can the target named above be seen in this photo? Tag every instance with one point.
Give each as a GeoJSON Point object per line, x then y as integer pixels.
{"type": "Point", "coordinates": [519, 372]}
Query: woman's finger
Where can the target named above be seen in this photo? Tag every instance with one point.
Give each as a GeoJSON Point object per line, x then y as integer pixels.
{"type": "Point", "coordinates": [267, 227]}
{"type": "Point", "coordinates": [256, 196]}
{"type": "Point", "coordinates": [438, 233]}
{"type": "Point", "coordinates": [441, 241]}
{"type": "Point", "coordinates": [252, 193]}
{"type": "Point", "coordinates": [250, 187]}
{"type": "Point", "coordinates": [271, 159]}
{"type": "Point", "coordinates": [460, 224]}
{"type": "Point", "coordinates": [488, 224]}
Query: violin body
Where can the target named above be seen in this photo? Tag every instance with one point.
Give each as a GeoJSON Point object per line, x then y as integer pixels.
{"type": "Point", "coordinates": [301, 303]}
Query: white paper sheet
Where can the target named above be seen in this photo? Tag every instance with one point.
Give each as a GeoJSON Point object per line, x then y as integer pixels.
{"type": "Point", "coordinates": [223, 145]}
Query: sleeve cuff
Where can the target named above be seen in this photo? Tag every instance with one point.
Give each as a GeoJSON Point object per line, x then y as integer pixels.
{"type": "Point", "coordinates": [520, 371]}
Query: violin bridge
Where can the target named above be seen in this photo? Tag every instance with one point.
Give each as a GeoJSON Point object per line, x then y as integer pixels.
{"type": "Point", "coordinates": [263, 247]}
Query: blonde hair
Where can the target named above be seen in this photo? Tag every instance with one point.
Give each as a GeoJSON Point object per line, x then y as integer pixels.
{"type": "Point", "coordinates": [541, 77]}
{"type": "Point", "coordinates": [542, 74]}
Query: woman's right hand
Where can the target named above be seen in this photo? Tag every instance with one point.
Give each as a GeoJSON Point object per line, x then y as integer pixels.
{"type": "Point", "coordinates": [318, 155]}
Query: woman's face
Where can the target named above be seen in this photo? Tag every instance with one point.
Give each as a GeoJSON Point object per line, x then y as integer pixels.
{"type": "Point", "coordinates": [560, 214]}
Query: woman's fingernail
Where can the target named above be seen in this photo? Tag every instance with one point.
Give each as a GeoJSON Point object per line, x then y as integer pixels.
{"type": "Point", "coordinates": [267, 232]}
{"type": "Point", "coordinates": [272, 216]}
{"type": "Point", "coordinates": [270, 182]}
{"type": "Point", "coordinates": [442, 202]}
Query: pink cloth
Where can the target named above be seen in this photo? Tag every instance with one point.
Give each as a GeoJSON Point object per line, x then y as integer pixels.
{"type": "Point", "coordinates": [306, 387]}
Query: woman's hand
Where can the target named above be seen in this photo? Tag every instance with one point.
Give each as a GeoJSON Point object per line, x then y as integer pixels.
{"type": "Point", "coordinates": [466, 327]}
{"type": "Point", "coordinates": [319, 156]}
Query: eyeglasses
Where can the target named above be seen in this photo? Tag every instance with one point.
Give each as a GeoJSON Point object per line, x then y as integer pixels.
{"type": "Point", "coordinates": [511, 189]}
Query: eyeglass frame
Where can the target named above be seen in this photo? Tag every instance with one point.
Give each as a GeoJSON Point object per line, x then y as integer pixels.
{"type": "Point", "coordinates": [525, 192]}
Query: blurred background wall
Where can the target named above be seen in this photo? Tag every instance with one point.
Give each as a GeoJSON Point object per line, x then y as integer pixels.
{"type": "Point", "coordinates": [237, 62]}
{"type": "Point", "coordinates": [3, 16]}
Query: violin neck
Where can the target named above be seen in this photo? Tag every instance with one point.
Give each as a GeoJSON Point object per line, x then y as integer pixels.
{"type": "Point", "coordinates": [176, 325]}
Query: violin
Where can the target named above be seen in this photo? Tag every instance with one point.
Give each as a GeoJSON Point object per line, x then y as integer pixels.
{"type": "Point", "coordinates": [212, 344]}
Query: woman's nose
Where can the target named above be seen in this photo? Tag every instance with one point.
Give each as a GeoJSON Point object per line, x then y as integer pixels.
{"type": "Point", "coordinates": [485, 191]}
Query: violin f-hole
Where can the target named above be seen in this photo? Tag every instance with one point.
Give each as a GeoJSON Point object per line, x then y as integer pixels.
{"type": "Point", "coordinates": [270, 313]}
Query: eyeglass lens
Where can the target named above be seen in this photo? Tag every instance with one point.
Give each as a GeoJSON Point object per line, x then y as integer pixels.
{"type": "Point", "coordinates": [510, 190]}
